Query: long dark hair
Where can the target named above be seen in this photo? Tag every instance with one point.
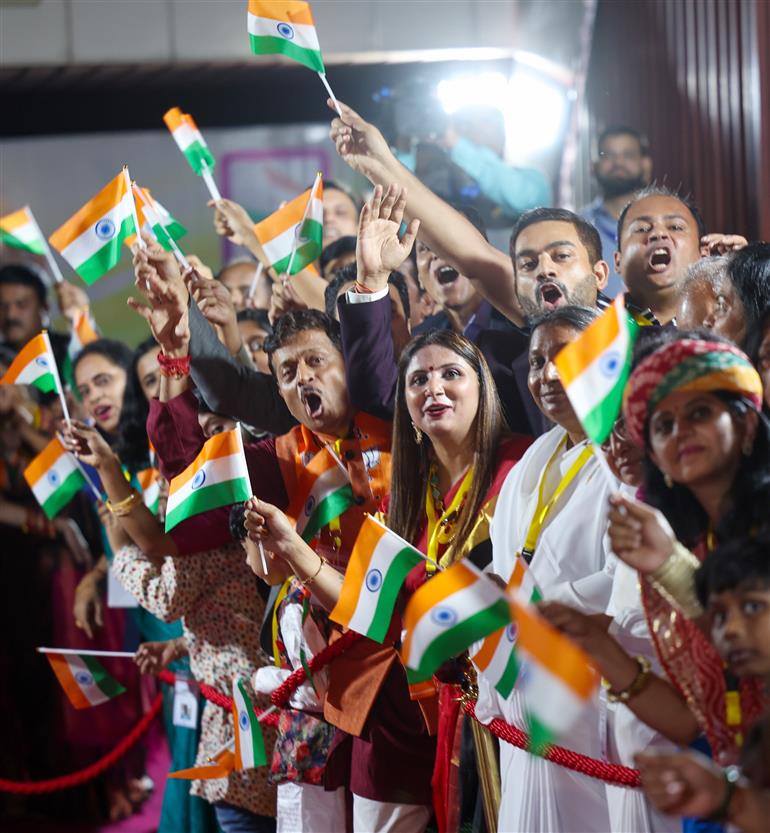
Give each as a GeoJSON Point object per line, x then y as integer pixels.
{"type": "Point", "coordinates": [746, 509]}
{"type": "Point", "coordinates": [411, 461]}
{"type": "Point", "coordinates": [130, 439]}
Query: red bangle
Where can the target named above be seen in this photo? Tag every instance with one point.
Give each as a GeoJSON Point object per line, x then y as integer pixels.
{"type": "Point", "coordinates": [176, 368]}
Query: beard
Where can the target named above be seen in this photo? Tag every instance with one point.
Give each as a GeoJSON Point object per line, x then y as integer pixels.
{"type": "Point", "coordinates": [582, 294]}
{"type": "Point", "coordinates": [616, 186]}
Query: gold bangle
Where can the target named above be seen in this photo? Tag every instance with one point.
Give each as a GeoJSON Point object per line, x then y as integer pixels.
{"type": "Point", "coordinates": [310, 579]}
{"type": "Point", "coordinates": [124, 507]}
{"type": "Point", "coordinates": [674, 580]}
{"type": "Point", "coordinates": [637, 684]}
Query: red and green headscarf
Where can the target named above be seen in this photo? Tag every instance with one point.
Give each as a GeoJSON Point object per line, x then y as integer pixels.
{"type": "Point", "coordinates": [686, 365]}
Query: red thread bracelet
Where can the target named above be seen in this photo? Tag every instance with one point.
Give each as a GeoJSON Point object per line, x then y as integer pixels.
{"type": "Point", "coordinates": [176, 368]}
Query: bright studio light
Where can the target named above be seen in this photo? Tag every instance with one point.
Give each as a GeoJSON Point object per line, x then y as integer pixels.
{"type": "Point", "coordinates": [488, 89]}
{"type": "Point", "coordinates": [533, 107]}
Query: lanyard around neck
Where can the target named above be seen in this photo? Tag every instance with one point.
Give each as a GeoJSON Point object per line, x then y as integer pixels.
{"type": "Point", "coordinates": [439, 528]}
{"type": "Point", "coordinates": [543, 508]}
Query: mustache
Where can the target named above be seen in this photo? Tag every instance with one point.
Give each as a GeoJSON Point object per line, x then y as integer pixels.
{"type": "Point", "coordinates": [12, 322]}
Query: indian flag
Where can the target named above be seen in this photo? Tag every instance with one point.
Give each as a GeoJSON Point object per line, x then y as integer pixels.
{"type": "Point", "coordinates": [286, 28]}
{"type": "Point", "coordinates": [223, 763]}
{"type": "Point", "coordinates": [323, 493]}
{"type": "Point", "coordinates": [556, 677]}
{"type": "Point", "coordinates": [34, 365]}
{"type": "Point", "coordinates": [293, 234]}
{"type": "Point", "coordinates": [217, 477]}
{"type": "Point", "coordinates": [83, 332]}
{"type": "Point", "coordinates": [162, 226]}
{"type": "Point", "coordinates": [376, 571]}
{"type": "Point", "coordinates": [149, 483]}
{"type": "Point", "coordinates": [90, 241]}
{"type": "Point", "coordinates": [85, 680]}
{"type": "Point", "coordinates": [594, 369]}
{"type": "Point", "coordinates": [54, 478]}
{"type": "Point", "coordinates": [447, 614]}
{"type": "Point", "coordinates": [249, 743]}
{"type": "Point", "coordinates": [189, 140]}
{"type": "Point", "coordinates": [497, 657]}
{"type": "Point", "coordinates": [20, 231]}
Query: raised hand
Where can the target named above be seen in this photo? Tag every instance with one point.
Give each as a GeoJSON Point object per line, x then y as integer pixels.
{"type": "Point", "coordinates": [232, 221]}
{"type": "Point", "coordinates": [72, 300]}
{"type": "Point", "coordinates": [360, 144]}
{"type": "Point", "coordinates": [159, 280]}
{"type": "Point", "coordinates": [379, 250]}
{"type": "Point", "coordinates": [720, 244]}
{"type": "Point", "coordinates": [640, 535]}
{"type": "Point", "coordinates": [87, 444]}
{"type": "Point", "coordinates": [284, 298]}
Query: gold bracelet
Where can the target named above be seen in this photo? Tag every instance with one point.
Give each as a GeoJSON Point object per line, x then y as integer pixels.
{"type": "Point", "coordinates": [310, 579]}
{"type": "Point", "coordinates": [637, 684]}
{"type": "Point", "coordinates": [124, 507]}
{"type": "Point", "coordinates": [674, 580]}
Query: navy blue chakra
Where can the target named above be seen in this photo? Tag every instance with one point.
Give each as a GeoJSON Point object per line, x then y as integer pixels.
{"type": "Point", "coordinates": [286, 31]}
{"type": "Point", "coordinates": [610, 364]}
{"type": "Point", "coordinates": [198, 480]}
{"type": "Point", "coordinates": [443, 616]}
{"type": "Point", "coordinates": [373, 580]}
{"type": "Point", "coordinates": [105, 229]}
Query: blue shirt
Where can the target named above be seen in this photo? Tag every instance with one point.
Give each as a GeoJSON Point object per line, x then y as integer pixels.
{"type": "Point", "coordinates": [607, 226]}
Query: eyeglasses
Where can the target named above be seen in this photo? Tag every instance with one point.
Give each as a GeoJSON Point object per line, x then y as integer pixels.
{"type": "Point", "coordinates": [619, 431]}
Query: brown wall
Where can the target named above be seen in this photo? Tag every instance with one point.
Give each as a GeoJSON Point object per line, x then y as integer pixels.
{"type": "Point", "coordinates": [694, 75]}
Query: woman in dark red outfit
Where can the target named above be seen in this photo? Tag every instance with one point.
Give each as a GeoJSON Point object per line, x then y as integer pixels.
{"type": "Point", "coordinates": [450, 457]}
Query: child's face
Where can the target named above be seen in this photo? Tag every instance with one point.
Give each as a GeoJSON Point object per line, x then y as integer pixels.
{"type": "Point", "coordinates": [740, 629]}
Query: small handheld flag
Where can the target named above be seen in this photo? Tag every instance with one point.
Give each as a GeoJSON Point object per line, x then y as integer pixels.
{"type": "Point", "coordinates": [594, 369]}
{"type": "Point", "coordinates": [91, 240]}
{"type": "Point", "coordinates": [149, 483]}
{"type": "Point", "coordinates": [217, 477]}
{"type": "Point", "coordinates": [54, 478]}
{"type": "Point", "coordinates": [223, 763]}
{"type": "Point", "coordinates": [323, 493]}
{"type": "Point", "coordinates": [20, 231]}
{"type": "Point", "coordinates": [447, 614]}
{"type": "Point", "coordinates": [192, 144]}
{"type": "Point", "coordinates": [556, 678]}
{"type": "Point", "coordinates": [292, 236]}
{"type": "Point", "coordinates": [158, 230]}
{"type": "Point", "coordinates": [85, 680]}
{"type": "Point", "coordinates": [249, 743]}
{"type": "Point", "coordinates": [376, 571]}
{"type": "Point", "coordinates": [158, 222]}
{"type": "Point", "coordinates": [286, 27]}
{"type": "Point", "coordinates": [34, 365]}
{"type": "Point", "coordinates": [497, 656]}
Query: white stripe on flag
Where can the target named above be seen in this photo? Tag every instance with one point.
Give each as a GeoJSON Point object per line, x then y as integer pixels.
{"type": "Point", "coordinates": [280, 246]}
{"type": "Point", "coordinates": [330, 481]}
{"type": "Point", "coordinates": [449, 612]}
{"type": "Point", "coordinates": [91, 241]}
{"type": "Point", "coordinates": [552, 702]}
{"type": "Point", "coordinates": [185, 135]}
{"type": "Point", "coordinates": [600, 377]}
{"type": "Point", "coordinates": [53, 478]}
{"type": "Point", "coordinates": [219, 470]}
{"type": "Point", "coordinates": [302, 35]}
{"type": "Point", "coordinates": [85, 680]}
{"type": "Point", "coordinates": [38, 367]}
{"type": "Point", "coordinates": [381, 560]}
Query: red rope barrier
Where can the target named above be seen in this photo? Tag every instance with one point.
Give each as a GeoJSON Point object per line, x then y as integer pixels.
{"type": "Point", "coordinates": [610, 773]}
{"type": "Point", "coordinates": [74, 779]}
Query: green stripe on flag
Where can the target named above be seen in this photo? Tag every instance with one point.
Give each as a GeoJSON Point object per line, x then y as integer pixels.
{"type": "Point", "coordinates": [331, 507]}
{"type": "Point", "coordinates": [103, 260]}
{"type": "Point", "coordinates": [209, 497]}
{"type": "Point", "coordinates": [507, 681]}
{"type": "Point", "coordinates": [199, 157]}
{"type": "Point", "coordinates": [70, 486]}
{"type": "Point", "coordinates": [267, 45]}
{"type": "Point", "coordinates": [34, 246]}
{"type": "Point", "coordinates": [309, 251]}
{"type": "Point", "coordinates": [257, 741]}
{"type": "Point", "coordinates": [108, 685]}
{"type": "Point", "coordinates": [540, 736]}
{"type": "Point", "coordinates": [45, 383]}
{"type": "Point", "coordinates": [392, 583]}
{"type": "Point", "coordinates": [457, 638]}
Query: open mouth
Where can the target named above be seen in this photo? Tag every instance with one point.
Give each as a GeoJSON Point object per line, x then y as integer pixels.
{"type": "Point", "coordinates": [313, 404]}
{"type": "Point", "coordinates": [660, 259]}
{"type": "Point", "coordinates": [551, 294]}
{"type": "Point", "coordinates": [436, 411]}
{"type": "Point", "coordinates": [102, 412]}
{"type": "Point", "coordinates": [446, 274]}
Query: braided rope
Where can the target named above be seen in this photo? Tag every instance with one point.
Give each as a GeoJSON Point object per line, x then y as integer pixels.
{"type": "Point", "coordinates": [75, 779]}
{"type": "Point", "coordinates": [610, 773]}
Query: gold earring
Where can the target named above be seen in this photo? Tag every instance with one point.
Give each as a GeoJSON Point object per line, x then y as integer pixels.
{"type": "Point", "coordinates": [417, 434]}
{"type": "Point", "coordinates": [668, 481]}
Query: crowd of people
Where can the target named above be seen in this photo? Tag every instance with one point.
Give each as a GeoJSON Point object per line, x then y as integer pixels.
{"type": "Point", "coordinates": [421, 359]}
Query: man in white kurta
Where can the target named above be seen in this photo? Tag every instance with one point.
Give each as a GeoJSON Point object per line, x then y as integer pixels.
{"type": "Point", "coordinates": [571, 564]}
